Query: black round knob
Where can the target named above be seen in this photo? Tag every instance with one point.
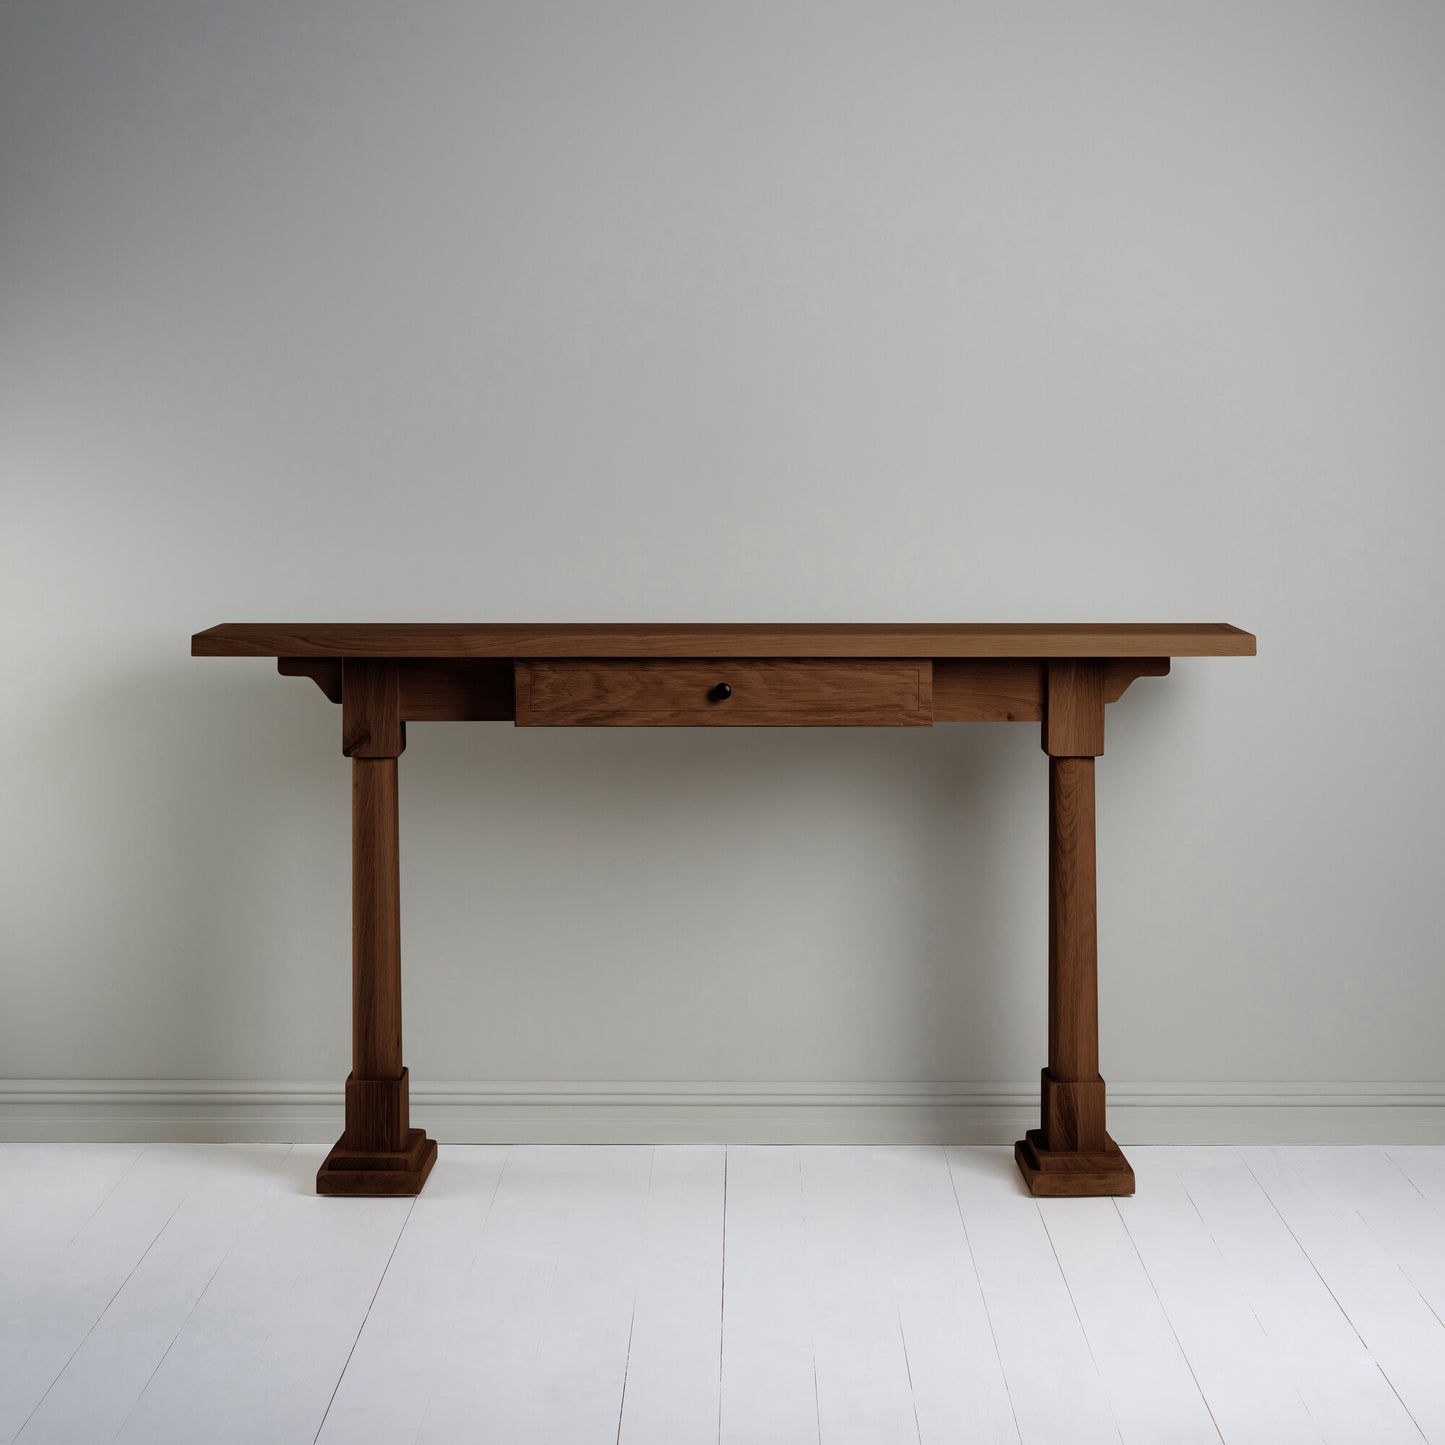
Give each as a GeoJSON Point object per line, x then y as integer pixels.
{"type": "Point", "coordinates": [719, 693]}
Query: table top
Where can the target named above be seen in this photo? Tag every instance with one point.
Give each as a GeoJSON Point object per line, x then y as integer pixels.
{"type": "Point", "coordinates": [723, 639]}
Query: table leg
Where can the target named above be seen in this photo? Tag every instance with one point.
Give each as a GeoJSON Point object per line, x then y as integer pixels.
{"type": "Point", "coordinates": [379, 1153]}
{"type": "Point", "coordinates": [1070, 1153]}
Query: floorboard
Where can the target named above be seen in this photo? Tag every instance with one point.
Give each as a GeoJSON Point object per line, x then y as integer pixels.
{"type": "Point", "coordinates": [400, 1352]}
{"type": "Point", "coordinates": [540, 1339]}
{"type": "Point", "coordinates": [1053, 1379]}
{"type": "Point", "coordinates": [769, 1388]}
{"type": "Point", "coordinates": [47, 1193]}
{"type": "Point", "coordinates": [859, 1356]}
{"type": "Point", "coordinates": [1314, 1342]}
{"type": "Point", "coordinates": [685, 1295]}
{"type": "Point", "coordinates": [959, 1391]}
{"type": "Point", "coordinates": [1250, 1395]}
{"type": "Point", "coordinates": [1393, 1323]}
{"type": "Point", "coordinates": [52, 1315]}
{"type": "Point", "coordinates": [260, 1354]}
{"type": "Point", "coordinates": [1407, 1222]}
{"type": "Point", "coordinates": [1423, 1166]}
{"type": "Point", "coordinates": [672, 1387]}
{"type": "Point", "coordinates": [106, 1375]}
{"type": "Point", "coordinates": [1153, 1393]}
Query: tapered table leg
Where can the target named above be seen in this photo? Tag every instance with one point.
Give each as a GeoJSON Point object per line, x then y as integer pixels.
{"type": "Point", "coordinates": [379, 1153]}
{"type": "Point", "coordinates": [1070, 1153]}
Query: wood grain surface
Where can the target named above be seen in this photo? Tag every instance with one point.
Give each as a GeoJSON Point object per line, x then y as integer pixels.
{"type": "Point", "coordinates": [379, 1153]}
{"type": "Point", "coordinates": [1074, 708]}
{"type": "Point", "coordinates": [1072, 1173]}
{"type": "Point", "coordinates": [375, 923]}
{"type": "Point", "coordinates": [763, 693]}
{"type": "Point", "coordinates": [455, 689]}
{"type": "Point", "coordinates": [674, 639]}
{"type": "Point", "coordinates": [480, 689]}
{"type": "Point", "coordinates": [371, 723]}
{"type": "Point", "coordinates": [1073, 933]}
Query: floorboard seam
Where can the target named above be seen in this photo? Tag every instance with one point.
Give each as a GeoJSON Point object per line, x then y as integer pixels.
{"type": "Point", "coordinates": [626, 1369]}
{"type": "Point", "coordinates": [362, 1326]}
{"type": "Point", "coordinates": [96, 1321]}
{"type": "Point", "coordinates": [908, 1368]}
{"type": "Point", "coordinates": [978, 1280]}
{"type": "Point", "coordinates": [210, 1280]}
{"type": "Point", "coordinates": [1163, 1309]}
{"type": "Point", "coordinates": [1079, 1319]}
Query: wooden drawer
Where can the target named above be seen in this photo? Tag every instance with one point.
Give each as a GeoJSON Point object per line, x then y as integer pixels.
{"type": "Point", "coordinates": [760, 692]}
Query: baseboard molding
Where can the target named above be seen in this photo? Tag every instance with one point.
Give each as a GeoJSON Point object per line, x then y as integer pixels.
{"type": "Point", "coordinates": [219, 1110]}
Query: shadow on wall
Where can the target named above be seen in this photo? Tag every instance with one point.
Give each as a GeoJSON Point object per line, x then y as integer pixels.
{"type": "Point", "coordinates": [737, 904]}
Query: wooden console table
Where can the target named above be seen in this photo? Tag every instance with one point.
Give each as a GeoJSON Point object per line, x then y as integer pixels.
{"type": "Point", "coordinates": [668, 675]}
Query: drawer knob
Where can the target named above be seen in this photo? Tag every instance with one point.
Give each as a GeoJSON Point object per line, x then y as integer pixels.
{"type": "Point", "coordinates": [719, 692]}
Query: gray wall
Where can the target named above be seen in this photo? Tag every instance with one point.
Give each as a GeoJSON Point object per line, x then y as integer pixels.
{"type": "Point", "coordinates": [722, 312]}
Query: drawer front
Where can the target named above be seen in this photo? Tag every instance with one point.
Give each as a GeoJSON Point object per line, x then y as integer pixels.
{"type": "Point", "coordinates": [732, 692]}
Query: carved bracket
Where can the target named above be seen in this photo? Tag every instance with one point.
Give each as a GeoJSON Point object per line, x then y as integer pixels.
{"type": "Point", "coordinates": [325, 672]}
{"type": "Point", "coordinates": [1119, 672]}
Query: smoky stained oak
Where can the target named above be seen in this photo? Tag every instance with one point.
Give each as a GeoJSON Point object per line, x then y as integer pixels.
{"type": "Point", "coordinates": [375, 924]}
{"type": "Point", "coordinates": [674, 639]}
{"type": "Point", "coordinates": [379, 1152]}
{"type": "Point", "coordinates": [1070, 1153]}
{"type": "Point", "coordinates": [728, 692]}
{"type": "Point", "coordinates": [1062, 676]}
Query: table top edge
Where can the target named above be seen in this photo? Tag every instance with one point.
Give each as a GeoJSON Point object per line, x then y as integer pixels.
{"type": "Point", "coordinates": [623, 640]}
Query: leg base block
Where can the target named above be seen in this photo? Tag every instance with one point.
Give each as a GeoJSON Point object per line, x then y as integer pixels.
{"type": "Point", "coordinates": [1069, 1173]}
{"type": "Point", "coordinates": [378, 1171]}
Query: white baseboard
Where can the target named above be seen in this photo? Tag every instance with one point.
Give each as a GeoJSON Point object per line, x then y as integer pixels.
{"type": "Point", "coordinates": [221, 1110]}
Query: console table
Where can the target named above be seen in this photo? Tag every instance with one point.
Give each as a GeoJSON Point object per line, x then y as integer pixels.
{"type": "Point", "coordinates": [670, 675]}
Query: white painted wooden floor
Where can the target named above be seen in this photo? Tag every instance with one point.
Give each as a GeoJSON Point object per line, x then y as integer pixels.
{"type": "Point", "coordinates": [764, 1296]}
